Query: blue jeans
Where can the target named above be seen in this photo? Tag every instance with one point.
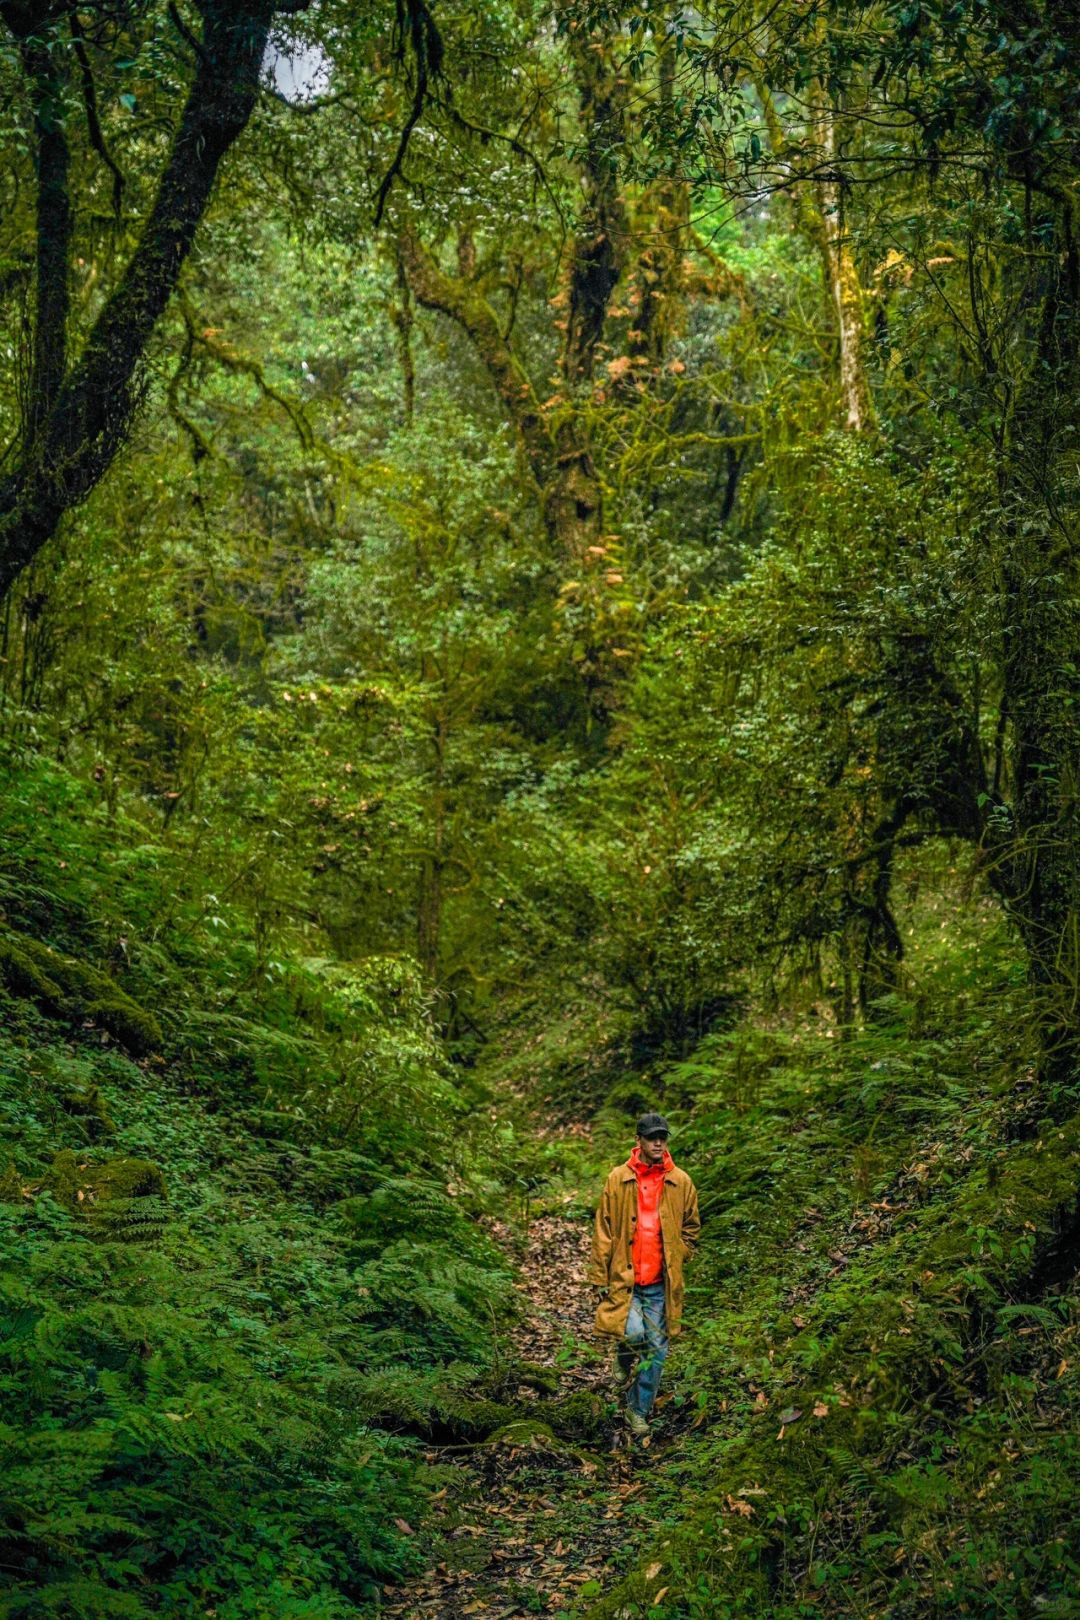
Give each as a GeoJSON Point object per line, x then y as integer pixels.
{"type": "Point", "coordinates": [645, 1342]}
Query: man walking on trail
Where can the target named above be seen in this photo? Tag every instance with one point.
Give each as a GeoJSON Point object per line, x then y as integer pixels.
{"type": "Point", "coordinates": [646, 1226]}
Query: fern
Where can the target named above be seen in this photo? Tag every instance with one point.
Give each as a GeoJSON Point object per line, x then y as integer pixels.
{"type": "Point", "coordinates": [130, 1220]}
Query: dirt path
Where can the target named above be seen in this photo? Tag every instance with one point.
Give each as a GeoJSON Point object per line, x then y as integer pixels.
{"type": "Point", "coordinates": [529, 1525]}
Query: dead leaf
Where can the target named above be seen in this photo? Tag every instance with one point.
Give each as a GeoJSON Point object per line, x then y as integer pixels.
{"type": "Point", "coordinates": [405, 1527]}
{"type": "Point", "coordinates": [821, 1410]}
{"type": "Point", "coordinates": [653, 1571]}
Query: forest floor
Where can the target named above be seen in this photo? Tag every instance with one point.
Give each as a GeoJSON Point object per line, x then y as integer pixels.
{"type": "Point", "coordinates": [529, 1524]}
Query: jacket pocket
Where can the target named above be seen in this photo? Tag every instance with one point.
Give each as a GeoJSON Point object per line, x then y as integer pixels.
{"type": "Point", "coordinates": [611, 1313]}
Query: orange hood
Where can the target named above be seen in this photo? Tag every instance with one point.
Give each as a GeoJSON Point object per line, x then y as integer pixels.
{"type": "Point", "coordinates": [640, 1168]}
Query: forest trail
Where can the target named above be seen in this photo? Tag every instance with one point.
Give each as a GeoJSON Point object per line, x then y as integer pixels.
{"type": "Point", "coordinates": [532, 1525]}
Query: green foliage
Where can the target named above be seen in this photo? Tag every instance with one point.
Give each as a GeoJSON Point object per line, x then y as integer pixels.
{"type": "Point", "coordinates": [642, 674]}
{"type": "Point", "coordinates": [196, 1277]}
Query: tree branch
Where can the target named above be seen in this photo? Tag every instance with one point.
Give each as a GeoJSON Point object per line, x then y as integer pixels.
{"type": "Point", "coordinates": [427, 50]}
{"type": "Point", "coordinates": [434, 289]}
{"type": "Point", "coordinates": [93, 122]}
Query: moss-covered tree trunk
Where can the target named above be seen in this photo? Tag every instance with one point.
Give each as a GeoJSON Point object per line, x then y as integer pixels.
{"type": "Point", "coordinates": [433, 861]}
{"type": "Point", "coordinates": [841, 273]}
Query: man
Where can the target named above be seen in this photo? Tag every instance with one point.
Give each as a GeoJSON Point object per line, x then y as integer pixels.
{"type": "Point", "coordinates": [646, 1226]}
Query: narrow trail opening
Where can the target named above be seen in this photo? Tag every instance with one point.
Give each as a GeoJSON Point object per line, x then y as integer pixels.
{"type": "Point", "coordinates": [530, 1523]}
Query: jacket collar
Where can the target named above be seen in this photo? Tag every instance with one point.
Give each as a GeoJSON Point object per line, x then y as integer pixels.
{"type": "Point", "coordinates": [630, 1174]}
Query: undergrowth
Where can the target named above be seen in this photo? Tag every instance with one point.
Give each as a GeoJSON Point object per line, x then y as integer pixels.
{"type": "Point", "coordinates": [239, 1259]}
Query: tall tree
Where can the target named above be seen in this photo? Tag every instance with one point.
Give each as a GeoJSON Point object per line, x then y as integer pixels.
{"type": "Point", "coordinates": [78, 408]}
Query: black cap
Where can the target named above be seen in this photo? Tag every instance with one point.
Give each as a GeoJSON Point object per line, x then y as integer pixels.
{"type": "Point", "coordinates": [652, 1125]}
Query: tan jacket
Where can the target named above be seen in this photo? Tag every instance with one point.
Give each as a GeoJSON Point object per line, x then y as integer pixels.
{"type": "Point", "coordinates": [611, 1264]}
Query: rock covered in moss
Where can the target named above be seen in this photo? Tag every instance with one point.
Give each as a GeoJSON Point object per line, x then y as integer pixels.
{"type": "Point", "coordinates": [524, 1432]}
{"type": "Point", "coordinates": [581, 1416]}
{"type": "Point", "coordinates": [534, 1375]}
{"type": "Point", "coordinates": [25, 978]}
{"type": "Point", "coordinates": [67, 987]}
{"type": "Point", "coordinates": [83, 1184]}
{"type": "Point", "coordinates": [476, 1419]}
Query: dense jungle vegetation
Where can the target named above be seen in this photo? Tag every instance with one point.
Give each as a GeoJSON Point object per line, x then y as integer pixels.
{"type": "Point", "coordinates": [539, 552]}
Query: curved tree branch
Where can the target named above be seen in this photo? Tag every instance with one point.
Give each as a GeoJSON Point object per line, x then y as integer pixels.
{"type": "Point", "coordinates": [413, 16]}
{"type": "Point", "coordinates": [455, 297]}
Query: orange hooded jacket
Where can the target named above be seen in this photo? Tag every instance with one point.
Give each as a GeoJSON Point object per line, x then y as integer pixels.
{"type": "Point", "coordinates": [648, 1244]}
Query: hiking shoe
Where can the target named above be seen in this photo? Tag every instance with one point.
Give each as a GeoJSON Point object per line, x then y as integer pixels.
{"type": "Point", "coordinates": [621, 1379]}
{"type": "Point", "coordinates": [636, 1423]}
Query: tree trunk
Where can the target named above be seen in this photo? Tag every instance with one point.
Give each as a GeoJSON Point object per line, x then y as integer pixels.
{"type": "Point", "coordinates": [842, 279]}
{"type": "Point", "coordinates": [74, 427]}
{"type": "Point", "coordinates": [433, 288]}
{"type": "Point", "coordinates": [818, 210]}
{"type": "Point", "coordinates": [1040, 870]}
{"type": "Point", "coordinates": [43, 56]}
{"type": "Point", "coordinates": [882, 946]}
{"type": "Point", "coordinates": [433, 864]}
{"type": "Point", "coordinates": [559, 455]}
